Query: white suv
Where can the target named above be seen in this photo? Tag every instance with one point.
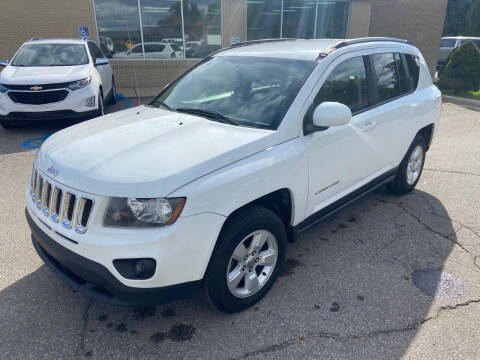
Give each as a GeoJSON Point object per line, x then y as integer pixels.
{"type": "Point", "coordinates": [55, 79]}
{"type": "Point", "coordinates": [207, 183]}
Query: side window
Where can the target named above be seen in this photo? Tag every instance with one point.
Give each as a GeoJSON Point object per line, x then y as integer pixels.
{"type": "Point", "coordinates": [388, 84]}
{"type": "Point", "coordinates": [413, 64]}
{"type": "Point", "coordinates": [405, 87]}
{"type": "Point", "coordinates": [347, 84]}
{"type": "Point", "coordinates": [95, 51]}
{"type": "Point", "coordinates": [137, 49]}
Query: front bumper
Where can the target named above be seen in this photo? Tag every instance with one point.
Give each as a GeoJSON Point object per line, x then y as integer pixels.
{"type": "Point", "coordinates": [95, 280]}
{"type": "Point", "coordinates": [60, 115]}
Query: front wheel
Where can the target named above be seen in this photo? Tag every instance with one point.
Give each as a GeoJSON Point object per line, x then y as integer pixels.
{"type": "Point", "coordinates": [248, 258]}
{"type": "Point", "coordinates": [411, 167]}
{"type": "Point", "coordinates": [101, 106]}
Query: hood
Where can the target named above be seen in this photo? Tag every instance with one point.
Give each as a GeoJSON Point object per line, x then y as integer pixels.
{"type": "Point", "coordinates": [18, 75]}
{"type": "Point", "coordinates": [145, 152]}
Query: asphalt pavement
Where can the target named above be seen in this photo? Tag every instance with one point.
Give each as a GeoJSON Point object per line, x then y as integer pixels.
{"type": "Point", "coordinates": [385, 278]}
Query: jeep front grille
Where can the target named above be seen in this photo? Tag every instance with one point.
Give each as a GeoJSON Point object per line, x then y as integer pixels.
{"type": "Point", "coordinates": [60, 205]}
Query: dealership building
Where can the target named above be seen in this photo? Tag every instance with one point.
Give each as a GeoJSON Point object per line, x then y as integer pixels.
{"type": "Point", "coordinates": [151, 42]}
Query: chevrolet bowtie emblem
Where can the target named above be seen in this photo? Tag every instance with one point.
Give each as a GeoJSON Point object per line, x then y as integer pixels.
{"type": "Point", "coordinates": [36, 88]}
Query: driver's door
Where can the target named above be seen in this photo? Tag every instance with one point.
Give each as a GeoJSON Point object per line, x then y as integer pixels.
{"type": "Point", "coordinates": [340, 158]}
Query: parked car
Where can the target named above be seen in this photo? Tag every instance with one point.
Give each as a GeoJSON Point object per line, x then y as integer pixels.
{"type": "Point", "coordinates": [246, 150]}
{"type": "Point", "coordinates": [55, 79]}
{"type": "Point", "coordinates": [153, 50]}
{"type": "Point", "coordinates": [448, 44]}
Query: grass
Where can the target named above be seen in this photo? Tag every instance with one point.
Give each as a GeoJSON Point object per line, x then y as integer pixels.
{"type": "Point", "coordinates": [475, 95]}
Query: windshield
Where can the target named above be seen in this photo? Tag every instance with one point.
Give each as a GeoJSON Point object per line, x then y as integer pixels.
{"type": "Point", "coordinates": [51, 55]}
{"type": "Point", "coordinates": [251, 91]}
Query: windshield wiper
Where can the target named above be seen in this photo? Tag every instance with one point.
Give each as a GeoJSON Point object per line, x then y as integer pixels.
{"type": "Point", "coordinates": [211, 114]}
{"type": "Point", "coordinates": [160, 103]}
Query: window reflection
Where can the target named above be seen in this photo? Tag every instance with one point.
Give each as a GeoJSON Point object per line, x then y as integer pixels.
{"type": "Point", "coordinates": [307, 19]}
{"type": "Point", "coordinates": [203, 27]}
{"type": "Point", "coordinates": [263, 19]}
{"type": "Point", "coordinates": [386, 74]}
{"type": "Point", "coordinates": [118, 25]}
{"type": "Point", "coordinates": [121, 25]}
{"type": "Point", "coordinates": [162, 28]}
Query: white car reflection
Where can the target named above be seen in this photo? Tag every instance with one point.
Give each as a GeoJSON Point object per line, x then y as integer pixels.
{"type": "Point", "coordinates": [153, 50]}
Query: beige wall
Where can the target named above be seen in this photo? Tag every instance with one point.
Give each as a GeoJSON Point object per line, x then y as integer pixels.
{"type": "Point", "coordinates": [420, 21]}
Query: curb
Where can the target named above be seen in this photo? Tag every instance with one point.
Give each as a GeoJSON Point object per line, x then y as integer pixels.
{"type": "Point", "coordinates": [470, 103]}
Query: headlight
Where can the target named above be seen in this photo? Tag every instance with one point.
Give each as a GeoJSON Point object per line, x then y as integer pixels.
{"type": "Point", "coordinates": [80, 83]}
{"type": "Point", "coordinates": [136, 212]}
{"type": "Point", "coordinates": [3, 89]}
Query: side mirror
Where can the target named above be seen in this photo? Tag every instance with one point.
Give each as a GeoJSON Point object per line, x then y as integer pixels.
{"type": "Point", "coordinates": [3, 62]}
{"type": "Point", "coordinates": [329, 114]}
{"type": "Point", "coordinates": [101, 61]}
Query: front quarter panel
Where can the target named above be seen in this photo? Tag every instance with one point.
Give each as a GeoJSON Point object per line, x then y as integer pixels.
{"type": "Point", "coordinates": [229, 188]}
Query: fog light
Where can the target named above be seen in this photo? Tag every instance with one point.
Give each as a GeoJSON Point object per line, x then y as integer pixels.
{"type": "Point", "coordinates": [135, 269]}
{"type": "Point", "coordinates": [90, 102]}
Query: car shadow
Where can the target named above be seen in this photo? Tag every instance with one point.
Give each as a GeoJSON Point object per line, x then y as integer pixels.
{"type": "Point", "coordinates": [348, 280]}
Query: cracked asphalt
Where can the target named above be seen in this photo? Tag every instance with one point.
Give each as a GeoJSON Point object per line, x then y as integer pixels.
{"type": "Point", "coordinates": [386, 278]}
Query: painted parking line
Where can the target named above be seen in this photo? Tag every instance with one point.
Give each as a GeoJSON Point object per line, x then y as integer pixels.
{"type": "Point", "coordinates": [35, 143]}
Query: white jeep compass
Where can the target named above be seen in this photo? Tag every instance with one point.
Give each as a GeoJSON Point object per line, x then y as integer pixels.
{"type": "Point", "coordinates": [207, 183]}
{"type": "Point", "coordinates": [55, 79]}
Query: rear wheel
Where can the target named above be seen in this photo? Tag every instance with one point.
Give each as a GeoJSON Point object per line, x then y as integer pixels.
{"type": "Point", "coordinates": [411, 167]}
{"type": "Point", "coordinates": [247, 260]}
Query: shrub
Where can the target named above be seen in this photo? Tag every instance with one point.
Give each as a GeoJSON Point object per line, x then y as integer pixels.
{"type": "Point", "coordinates": [462, 71]}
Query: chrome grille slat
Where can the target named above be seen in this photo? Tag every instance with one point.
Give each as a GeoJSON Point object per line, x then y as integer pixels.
{"type": "Point", "coordinates": [60, 205]}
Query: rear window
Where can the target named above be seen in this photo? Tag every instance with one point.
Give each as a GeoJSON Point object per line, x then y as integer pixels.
{"type": "Point", "coordinates": [448, 43]}
{"type": "Point", "coordinates": [388, 83]}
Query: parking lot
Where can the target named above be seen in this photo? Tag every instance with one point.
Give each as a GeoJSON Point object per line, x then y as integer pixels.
{"type": "Point", "coordinates": [385, 278]}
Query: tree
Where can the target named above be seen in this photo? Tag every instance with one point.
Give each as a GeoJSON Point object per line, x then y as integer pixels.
{"type": "Point", "coordinates": [462, 72]}
{"type": "Point", "coordinates": [462, 18]}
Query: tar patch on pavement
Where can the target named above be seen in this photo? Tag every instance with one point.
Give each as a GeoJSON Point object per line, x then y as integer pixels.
{"type": "Point", "coordinates": [178, 332]}
{"type": "Point", "coordinates": [289, 266]}
{"type": "Point", "coordinates": [168, 313]}
{"type": "Point", "coordinates": [141, 313]}
{"type": "Point", "coordinates": [102, 317]}
{"type": "Point", "coordinates": [122, 328]}
{"type": "Point", "coordinates": [439, 283]}
{"type": "Point", "coordinates": [335, 307]}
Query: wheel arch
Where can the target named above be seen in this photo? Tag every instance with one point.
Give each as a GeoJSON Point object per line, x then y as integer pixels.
{"type": "Point", "coordinates": [427, 133]}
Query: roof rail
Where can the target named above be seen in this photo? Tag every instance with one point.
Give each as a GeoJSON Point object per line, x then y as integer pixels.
{"type": "Point", "coordinates": [344, 43]}
{"type": "Point", "coordinates": [34, 39]}
{"type": "Point", "coordinates": [261, 41]}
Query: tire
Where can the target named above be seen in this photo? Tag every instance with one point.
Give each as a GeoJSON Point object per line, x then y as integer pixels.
{"type": "Point", "coordinates": [402, 183]}
{"type": "Point", "coordinates": [254, 223]}
{"type": "Point", "coordinates": [9, 125]}
{"type": "Point", "coordinates": [113, 94]}
{"type": "Point", "coordinates": [101, 105]}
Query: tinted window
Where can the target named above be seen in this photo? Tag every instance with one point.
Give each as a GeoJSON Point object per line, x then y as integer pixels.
{"type": "Point", "coordinates": [405, 87]}
{"type": "Point", "coordinates": [347, 84]}
{"type": "Point", "coordinates": [477, 42]}
{"type": "Point", "coordinates": [95, 51]}
{"type": "Point", "coordinates": [137, 49]}
{"type": "Point", "coordinates": [386, 75]}
{"type": "Point", "coordinates": [51, 55]}
{"type": "Point", "coordinates": [252, 91]}
{"type": "Point", "coordinates": [413, 63]}
{"type": "Point", "coordinates": [149, 48]}
{"type": "Point", "coordinates": [448, 43]}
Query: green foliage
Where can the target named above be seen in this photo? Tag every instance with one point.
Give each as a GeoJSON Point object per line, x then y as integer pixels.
{"type": "Point", "coordinates": [462, 72]}
{"type": "Point", "coordinates": [462, 18]}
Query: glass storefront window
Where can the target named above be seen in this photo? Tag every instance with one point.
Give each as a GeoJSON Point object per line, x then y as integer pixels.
{"type": "Point", "coordinates": [203, 27]}
{"type": "Point", "coordinates": [304, 19]}
{"type": "Point", "coordinates": [170, 29]}
{"type": "Point", "coordinates": [263, 19]}
{"type": "Point", "coordinates": [162, 27]}
{"type": "Point", "coordinates": [118, 25]}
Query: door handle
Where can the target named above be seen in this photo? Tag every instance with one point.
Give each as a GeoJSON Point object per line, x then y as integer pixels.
{"type": "Point", "coordinates": [368, 126]}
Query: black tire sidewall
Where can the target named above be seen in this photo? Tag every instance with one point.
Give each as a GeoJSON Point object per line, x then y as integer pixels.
{"type": "Point", "coordinates": [237, 228]}
{"type": "Point", "coordinates": [400, 185]}
{"type": "Point", "coordinates": [100, 102]}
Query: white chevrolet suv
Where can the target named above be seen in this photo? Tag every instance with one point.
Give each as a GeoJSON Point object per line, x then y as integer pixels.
{"type": "Point", "coordinates": [207, 183]}
{"type": "Point", "coordinates": [55, 79]}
